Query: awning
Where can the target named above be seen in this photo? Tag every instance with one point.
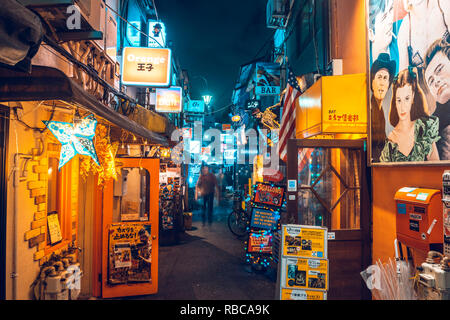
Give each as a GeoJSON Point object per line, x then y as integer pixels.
{"type": "Point", "coordinates": [21, 33]}
{"type": "Point", "coordinates": [46, 83]}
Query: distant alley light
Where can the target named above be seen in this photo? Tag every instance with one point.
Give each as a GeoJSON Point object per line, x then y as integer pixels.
{"type": "Point", "coordinates": [207, 99]}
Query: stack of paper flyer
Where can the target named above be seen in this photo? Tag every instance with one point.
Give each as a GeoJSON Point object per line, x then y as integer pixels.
{"type": "Point", "coordinates": [303, 264]}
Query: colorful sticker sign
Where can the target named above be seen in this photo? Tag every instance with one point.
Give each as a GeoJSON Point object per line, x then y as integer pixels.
{"type": "Point", "coordinates": [305, 274]}
{"type": "Point", "coordinates": [146, 66]}
{"type": "Point", "coordinates": [268, 195]}
{"type": "Point", "coordinates": [296, 294]}
{"type": "Point", "coordinates": [130, 253]}
{"type": "Point", "coordinates": [304, 241]}
{"type": "Point", "coordinates": [260, 241]}
{"type": "Point", "coordinates": [264, 219]}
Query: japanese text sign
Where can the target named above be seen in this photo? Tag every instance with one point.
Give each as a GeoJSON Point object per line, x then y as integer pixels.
{"type": "Point", "coordinates": [146, 66]}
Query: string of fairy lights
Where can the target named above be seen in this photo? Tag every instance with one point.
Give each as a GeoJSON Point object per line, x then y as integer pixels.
{"type": "Point", "coordinates": [263, 257]}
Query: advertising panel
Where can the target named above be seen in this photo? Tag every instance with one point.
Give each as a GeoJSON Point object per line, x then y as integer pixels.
{"type": "Point", "coordinates": [304, 241]}
{"type": "Point", "coordinates": [296, 294]}
{"type": "Point", "coordinates": [146, 66]}
{"type": "Point", "coordinates": [169, 100]}
{"type": "Point", "coordinates": [130, 253]}
{"type": "Point", "coordinates": [157, 31]}
{"type": "Point", "coordinates": [196, 106]}
{"type": "Point", "coordinates": [305, 274]}
{"type": "Point", "coordinates": [260, 241]}
{"type": "Point", "coordinates": [267, 194]}
{"type": "Point", "coordinates": [264, 219]}
{"type": "Point", "coordinates": [409, 58]}
{"type": "Point", "coordinates": [267, 78]}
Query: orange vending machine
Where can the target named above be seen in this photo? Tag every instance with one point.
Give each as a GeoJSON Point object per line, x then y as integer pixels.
{"type": "Point", "coordinates": [419, 218]}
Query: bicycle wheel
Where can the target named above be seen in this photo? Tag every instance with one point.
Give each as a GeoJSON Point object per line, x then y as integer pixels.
{"type": "Point", "coordinates": [237, 223]}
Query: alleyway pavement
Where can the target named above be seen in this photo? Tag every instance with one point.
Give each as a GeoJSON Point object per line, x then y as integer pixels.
{"type": "Point", "coordinates": [208, 264]}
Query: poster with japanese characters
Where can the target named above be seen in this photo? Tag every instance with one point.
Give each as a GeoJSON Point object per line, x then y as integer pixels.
{"type": "Point", "coordinates": [305, 274]}
{"type": "Point", "coordinates": [409, 80]}
{"type": "Point", "coordinates": [146, 66]}
{"type": "Point", "coordinates": [130, 253]}
{"type": "Point", "coordinates": [260, 241]}
{"type": "Point", "coordinates": [296, 294]}
{"type": "Point", "coordinates": [304, 241]}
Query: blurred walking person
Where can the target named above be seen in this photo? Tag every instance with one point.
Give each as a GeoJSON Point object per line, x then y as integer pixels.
{"type": "Point", "coordinates": [206, 186]}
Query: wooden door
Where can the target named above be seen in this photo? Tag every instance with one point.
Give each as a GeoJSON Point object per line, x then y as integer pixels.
{"type": "Point", "coordinates": [131, 206]}
{"type": "Point", "coordinates": [332, 191]}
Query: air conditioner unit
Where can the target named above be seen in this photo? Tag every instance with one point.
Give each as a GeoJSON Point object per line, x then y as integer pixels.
{"type": "Point", "coordinates": [276, 13]}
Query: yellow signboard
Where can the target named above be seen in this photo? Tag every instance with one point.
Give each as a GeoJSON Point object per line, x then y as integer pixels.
{"type": "Point", "coordinates": [296, 294]}
{"type": "Point", "coordinates": [305, 274]}
{"type": "Point", "coordinates": [334, 104]}
{"type": "Point", "coordinates": [169, 100]}
{"type": "Point", "coordinates": [304, 241]}
{"type": "Point", "coordinates": [146, 66]}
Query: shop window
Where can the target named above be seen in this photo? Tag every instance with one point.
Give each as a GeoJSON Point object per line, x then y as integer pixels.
{"type": "Point", "coordinates": [329, 193]}
{"type": "Point", "coordinates": [131, 195]}
{"type": "Point", "coordinates": [58, 206]}
{"type": "Point", "coordinates": [53, 187]}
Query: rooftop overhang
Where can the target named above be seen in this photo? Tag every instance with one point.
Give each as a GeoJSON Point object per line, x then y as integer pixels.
{"type": "Point", "coordinates": [46, 83]}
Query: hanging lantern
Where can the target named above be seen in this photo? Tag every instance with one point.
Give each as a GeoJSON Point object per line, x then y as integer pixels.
{"type": "Point", "coordinates": [75, 138]}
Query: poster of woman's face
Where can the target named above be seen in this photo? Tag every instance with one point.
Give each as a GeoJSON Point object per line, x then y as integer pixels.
{"type": "Point", "coordinates": [409, 58]}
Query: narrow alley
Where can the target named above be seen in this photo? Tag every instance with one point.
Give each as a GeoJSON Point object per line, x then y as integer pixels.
{"type": "Point", "coordinates": [210, 250]}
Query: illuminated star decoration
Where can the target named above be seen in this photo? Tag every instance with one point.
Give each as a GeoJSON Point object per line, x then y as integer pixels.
{"type": "Point", "coordinates": [75, 138]}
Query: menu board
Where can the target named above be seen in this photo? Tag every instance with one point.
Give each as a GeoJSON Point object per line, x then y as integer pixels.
{"type": "Point", "coordinates": [54, 229]}
{"type": "Point", "coordinates": [305, 273]}
{"type": "Point", "coordinates": [260, 241]}
{"type": "Point", "coordinates": [264, 219]}
{"type": "Point", "coordinates": [296, 294]}
{"type": "Point", "coordinates": [304, 241]}
{"type": "Point", "coordinates": [267, 194]}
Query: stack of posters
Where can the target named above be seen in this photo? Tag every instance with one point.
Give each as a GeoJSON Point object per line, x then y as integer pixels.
{"type": "Point", "coordinates": [303, 265]}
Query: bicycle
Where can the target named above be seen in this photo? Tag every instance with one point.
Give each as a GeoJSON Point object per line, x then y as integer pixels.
{"type": "Point", "coordinates": [239, 218]}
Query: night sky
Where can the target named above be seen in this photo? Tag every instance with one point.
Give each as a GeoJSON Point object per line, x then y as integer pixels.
{"type": "Point", "coordinates": [212, 38]}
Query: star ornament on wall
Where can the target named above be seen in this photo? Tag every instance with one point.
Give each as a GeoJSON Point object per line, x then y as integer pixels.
{"type": "Point", "coordinates": [75, 138]}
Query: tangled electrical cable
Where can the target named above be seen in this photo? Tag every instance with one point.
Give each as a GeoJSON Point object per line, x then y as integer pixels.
{"type": "Point", "coordinates": [40, 130]}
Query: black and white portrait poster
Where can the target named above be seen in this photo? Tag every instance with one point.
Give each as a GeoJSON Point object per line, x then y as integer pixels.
{"type": "Point", "coordinates": [409, 52]}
